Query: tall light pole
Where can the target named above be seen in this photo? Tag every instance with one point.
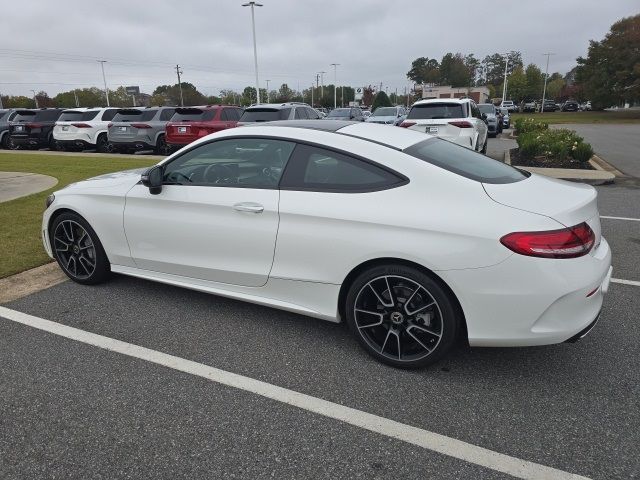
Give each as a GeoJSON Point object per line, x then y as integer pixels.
{"type": "Point", "coordinates": [179, 72]}
{"type": "Point", "coordinates": [104, 79]}
{"type": "Point", "coordinates": [255, 50]}
{"type": "Point", "coordinates": [335, 85]}
{"type": "Point", "coordinates": [321, 84]}
{"type": "Point", "coordinates": [504, 86]}
{"type": "Point", "coordinates": [35, 99]}
{"type": "Point", "coordinates": [546, 75]}
{"type": "Point", "coordinates": [267, 90]}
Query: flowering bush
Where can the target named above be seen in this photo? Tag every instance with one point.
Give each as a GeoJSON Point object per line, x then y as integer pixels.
{"type": "Point", "coordinates": [557, 144]}
{"type": "Point", "coordinates": [526, 125]}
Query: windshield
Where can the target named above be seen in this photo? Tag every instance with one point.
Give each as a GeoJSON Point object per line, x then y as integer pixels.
{"type": "Point", "coordinates": [436, 110]}
{"type": "Point", "coordinates": [265, 114]}
{"type": "Point", "coordinates": [487, 108]}
{"type": "Point", "coordinates": [193, 115]}
{"type": "Point", "coordinates": [340, 113]}
{"type": "Point", "coordinates": [75, 115]}
{"type": "Point", "coordinates": [134, 115]}
{"type": "Point", "coordinates": [384, 112]}
{"type": "Point", "coordinates": [463, 161]}
{"type": "Point", "coordinates": [24, 116]}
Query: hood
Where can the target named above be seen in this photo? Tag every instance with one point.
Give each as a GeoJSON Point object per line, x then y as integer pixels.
{"type": "Point", "coordinates": [110, 180]}
{"type": "Point", "coordinates": [386, 118]}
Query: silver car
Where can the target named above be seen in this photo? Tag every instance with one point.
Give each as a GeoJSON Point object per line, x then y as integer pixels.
{"type": "Point", "coordinates": [387, 115]}
{"type": "Point", "coordinates": [134, 129]}
{"type": "Point", "coordinates": [6, 116]}
{"type": "Point", "coordinates": [268, 112]}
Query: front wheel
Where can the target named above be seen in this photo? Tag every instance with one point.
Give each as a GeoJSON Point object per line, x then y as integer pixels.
{"type": "Point", "coordinates": [162, 148]}
{"type": "Point", "coordinates": [484, 147]}
{"type": "Point", "coordinates": [78, 250]}
{"type": "Point", "coordinates": [103, 145]}
{"type": "Point", "coordinates": [401, 316]}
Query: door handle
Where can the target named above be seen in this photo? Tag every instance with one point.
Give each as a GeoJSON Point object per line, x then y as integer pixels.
{"type": "Point", "coordinates": [249, 207]}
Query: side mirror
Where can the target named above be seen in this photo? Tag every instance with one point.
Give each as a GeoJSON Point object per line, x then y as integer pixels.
{"type": "Point", "coordinates": [152, 179]}
{"type": "Point", "coordinates": [483, 116]}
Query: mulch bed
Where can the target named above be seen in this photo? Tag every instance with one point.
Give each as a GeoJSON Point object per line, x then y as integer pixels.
{"type": "Point", "coordinates": [543, 162]}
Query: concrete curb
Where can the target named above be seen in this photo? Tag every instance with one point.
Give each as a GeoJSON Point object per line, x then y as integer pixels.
{"type": "Point", "coordinates": [600, 164]}
{"type": "Point", "coordinates": [31, 281]}
{"type": "Point", "coordinates": [80, 154]}
{"type": "Point", "coordinates": [591, 177]}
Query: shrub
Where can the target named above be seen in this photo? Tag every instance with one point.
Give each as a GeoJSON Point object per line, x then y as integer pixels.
{"type": "Point", "coordinates": [526, 125]}
{"type": "Point", "coordinates": [529, 145]}
{"type": "Point", "coordinates": [582, 152]}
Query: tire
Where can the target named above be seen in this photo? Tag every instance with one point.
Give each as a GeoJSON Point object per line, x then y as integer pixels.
{"type": "Point", "coordinates": [162, 148]}
{"type": "Point", "coordinates": [53, 145]}
{"type": "Point", "coordinates": [78, 250]}
{"type": "Point", "coordinates": [419, 318]}
{"type": "Point", "coordinates": [5, 141]}
{"type": "Point", "coordinates": [11, 145]}
{"type": "Point", "coordinates": [484, 147]}
{"type": "Point", "coordinates": [102, 144]}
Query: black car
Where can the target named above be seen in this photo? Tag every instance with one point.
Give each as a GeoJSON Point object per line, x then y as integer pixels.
{"type": "Point", "coordinates": [6, 116]}
{"type": "Point", "coordinates": [570, 106]}
{"type": "Point", "coordinates": [33, 129]}
{"type": "Point", "coordinates": [549, 106]}
{"type": "Point", "coordinates": [349, 113]}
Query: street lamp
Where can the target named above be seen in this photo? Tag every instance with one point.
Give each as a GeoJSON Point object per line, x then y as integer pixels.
{"type": "Point", "coordinates": [546, 75]}
{"type": "Point", "coordinates": [104, 79]}
{"type": "Point", "coordinates": [321, 84]}
{"type": "Point", "coordinates": [268, 90]}
{"type": "Point", "coordinates": [255, 50]}
{"type": "Point", "coordinates": [35, 99]}
{"type": "Point", "coordinates": [504, 86]}
{"type": "Point", "coordinates": [335, 84]}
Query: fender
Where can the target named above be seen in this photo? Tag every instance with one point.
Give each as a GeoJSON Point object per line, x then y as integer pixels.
{"type": "Point", "coordinates": [97, 134]}
{"type": "Point", "coordinates": [161, 132]}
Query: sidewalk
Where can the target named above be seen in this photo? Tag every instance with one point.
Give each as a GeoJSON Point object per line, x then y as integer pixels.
{"type": "Point", "coordinates": [20, 184]}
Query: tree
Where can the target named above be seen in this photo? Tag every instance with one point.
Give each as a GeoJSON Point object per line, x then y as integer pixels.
{"type": "Point", "coordinates": [424, 70]}
{"type": "Point", "coordinates": [381, 100]}
{"type": "Point", "coordinates": [229, 97]}
{"type": "Point", "coordinates": [493, 66]}
{"type": "Point", "coordinates": [87, 97]}
{"type": "Point", "coordinates": [453, 71]}
{"type": "Point", "coordinates": [535, 80]}
{"type": "Point", "coordinates": [517, 85]}
{"type": "Point", "coordinates": [285, 94]}
{"type": "Point", "coordinates": [367, 95]}
{"type": "Point", "coordinates": [610, 75]}
{"type": "Point", "coordinates": [190, 94]}
{"type": "Point", "coordinates": [555, 87]}
{"type": "Point", "coordinates": [19, 101]}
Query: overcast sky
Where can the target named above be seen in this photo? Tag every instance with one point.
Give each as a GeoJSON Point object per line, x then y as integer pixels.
{"type": "Point", "coordinates": [53, 45]}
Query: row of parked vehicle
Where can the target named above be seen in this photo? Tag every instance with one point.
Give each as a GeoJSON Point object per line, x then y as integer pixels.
{"type": "Point", "coordinates": [164, 129]}
{"type": "Point", "coordinates": [531, 106]}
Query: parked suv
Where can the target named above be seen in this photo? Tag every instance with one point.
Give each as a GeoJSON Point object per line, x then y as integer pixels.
{"type": "Point", "coordinates": [190, 123]}
{"type": "Point", "coordinates": [491, 118]}
{"type": "Point", "coordinates": [5, 118]}
{"type": "Point", "coordinates": [348, 113]}
{"type": "Point", "coordinates": [134, 129]}
{"type": "Point", "coordinates": [570, 106]}
{"type": "Point", "coordinates": [549, 106]}
{"type": "Point", "coordinates": [387, 115]}
{"type": "Point", "coordinates": [530, 106]}
{"type": "Point", "coordinates": [457, 120]}
{"type": "Point", "coordinates": [267, 112]}
{"type": "Point", "coordinates": [83, 128]}
{"type": "Point", "coordinates": [509, 105]}
{"type": "Point", "coordinates": [34, 128]}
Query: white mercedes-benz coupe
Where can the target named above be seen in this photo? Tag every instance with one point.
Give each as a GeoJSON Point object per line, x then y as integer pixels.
{"type": "Point", "coordinates": [412, 240]}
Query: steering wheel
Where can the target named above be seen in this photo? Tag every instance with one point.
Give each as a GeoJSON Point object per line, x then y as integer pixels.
{"type": "Point", "coordinates": [223, 173]}
{"type": "Point", "coordinates": [176, 174]}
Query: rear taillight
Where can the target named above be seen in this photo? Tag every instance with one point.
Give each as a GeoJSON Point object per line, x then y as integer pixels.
{"type": "Point", "coordinates": [81, 125]}
{"type": "Point", "coordinates": [407, 124]}
{"type": "Point", "coordinates": [140, 125]}
{"type": "Point", "coordinates": [461, 124]}
{"type": "Point", "coordinates": [34, 125]}
{"type": "Point", "coordinates": [564, 243]}
{"type": "Point", "coordinates": [110, 125]}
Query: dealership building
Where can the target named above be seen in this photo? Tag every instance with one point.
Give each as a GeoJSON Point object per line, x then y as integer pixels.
{"type": "Point", "coordinates": [478, 94]}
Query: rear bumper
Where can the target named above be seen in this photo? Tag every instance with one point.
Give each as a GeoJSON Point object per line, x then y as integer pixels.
{"type": "Point", "coordinates": [180, 141]}
{"type": "Point", "coordinates": [527, 301]}
{"type": "Point", "coordinates": [23, 140]}
{"type": "Point", "coordinates": [74, 143]}
{"type": "Point", "coordinates": [131, 145]}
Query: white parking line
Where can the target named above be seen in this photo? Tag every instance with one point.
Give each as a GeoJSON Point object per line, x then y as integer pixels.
{"type": "Point", "coordinates": [416, 436]}
{"type": "Point", "coordinates": [625, 282]}
{"type": "Point", "coordinates": [621, 218]}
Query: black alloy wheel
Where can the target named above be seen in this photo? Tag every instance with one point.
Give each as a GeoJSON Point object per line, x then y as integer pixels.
{"type": "Point", "coordinates": [78, 250]}
{"type": "Point", "coordinates": [401, 316]}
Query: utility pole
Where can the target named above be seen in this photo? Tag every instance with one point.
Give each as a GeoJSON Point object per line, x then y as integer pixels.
{"type": "Point", "coordinates": [322, 85]}
{"type": "Point", "coordinates": [255, 50]}
{"type": "Point", "coordinates": [179, 72]}
{"type": "Point", "coordinates": [104, 79]}
{"type": "Point", "coordinates": [546, 76]}
{"type": "Point", "coordinates": [35, 99]}
{"type": "Point", "coordinates": [342, 95]}
{"type": "Point", "coordinates": [1, 106]}
{"type": "Point", "coordinates": [335, 85]}
{"type": "Point", "coordinates": [267, 90]}
{"type": "Point", "coordinates": [75, 96]}
{"type": "Point", "coordinates": [504, 86]}
{"type": "Point", "coordinates": [312, 93]}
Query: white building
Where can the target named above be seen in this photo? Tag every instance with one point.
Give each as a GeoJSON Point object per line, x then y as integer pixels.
{"type": "Point", "coordinates": [478, 94]}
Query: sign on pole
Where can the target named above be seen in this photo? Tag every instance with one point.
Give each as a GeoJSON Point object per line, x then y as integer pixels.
{"type": "Point", "coordinates": [359, 93]}
{"type": "Point", "coordinates": [133, 90]}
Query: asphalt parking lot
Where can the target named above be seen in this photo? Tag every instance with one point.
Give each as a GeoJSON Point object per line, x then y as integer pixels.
{"type": "Point", "coordinates": [81, 409]}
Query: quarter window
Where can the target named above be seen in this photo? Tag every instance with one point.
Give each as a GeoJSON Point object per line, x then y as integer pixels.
{"type": "Point", "coordinates": [166, 114]}
{"type": "Point", "coordinates": [108, 114]}
{"type": "Point", "coordinates": [236, 162]}
{"type": "Point", "coordinates": [315, 168]}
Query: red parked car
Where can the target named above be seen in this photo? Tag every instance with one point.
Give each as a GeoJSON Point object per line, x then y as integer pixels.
{"type": "Point", "coordinates": [191, 123]}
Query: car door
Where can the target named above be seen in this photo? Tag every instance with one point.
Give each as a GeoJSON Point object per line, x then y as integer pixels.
{"type": "Point", "coordinates": [479, 125]}
{"type": "Point", "coordinates": [216, 217]}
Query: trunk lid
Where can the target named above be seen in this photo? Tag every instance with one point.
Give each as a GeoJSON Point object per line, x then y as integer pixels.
{"type": "Point", "coordinates": [566, 202]}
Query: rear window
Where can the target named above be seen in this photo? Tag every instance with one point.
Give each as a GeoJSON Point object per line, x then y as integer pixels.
{"type": "Point", "coordinates": [384, 112]}
{"type": "Point", "coordinates": [3, 114]}
{"type": "Point", "coordinates": [487, 108]}
{"type": "Point", "coordinates": [265, 114]}
{"type": "Point", "coordinates": [166, 114]}
{"type": "Point", "coordinates": [464, 161]}
{"type": "Point", "coordinates": [134, 115]}
{"type": "Point", "coordinates": [108, 115]}
{"type": "Point", "coordinates": [193, 115]}
{"type": "Point", "coordinates": [24, 116]}
{"type": "Point", "coordinates": [76, 116]}
{"type": "Point", "coordinates": [47, 115]}
{"type": "Point", "coordinates": [339, 113]}
{"type": "Point", "coordinates": [431, 111]}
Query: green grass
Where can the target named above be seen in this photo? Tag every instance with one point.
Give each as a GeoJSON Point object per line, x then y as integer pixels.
{"type": "Point", "coordinates": [619, 116]}
{"type": "Point", "coordinates": [20, 219]}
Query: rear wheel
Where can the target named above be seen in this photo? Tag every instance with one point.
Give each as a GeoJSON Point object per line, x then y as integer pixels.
{"type": "Point", "coordinates": [103, 145]}
{"type": "Point", "coordinates": [53, 145]}
{"type": "Point", "coordinates": [78, 250]}
{"type": "Point", "coordinates": [11, 144]}
{"type": "Point", "coordinates": [161, 146]}
{"type": "Point", "coordinates": [401, 316]}
{"type": "Point", "coordinates": [484, 147]}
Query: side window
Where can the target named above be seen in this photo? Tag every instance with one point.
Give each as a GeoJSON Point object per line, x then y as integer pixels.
{"type": "Point", "coordinates": [108, 114]}
{"type": "Point", "coordinates": [301, 114]}
{"type": "Point", "coordinates": [312, 114]}
{"type": "Point", "coordinates": [317, 169]}
{"type": "Point", "coordinates": [166, 114]}
{"type": "Point", "coordinates": [238, 113]}
{"type": "Point", "coordinates": [224, 116]}
{"type": "Point", "coordinates": [236, 162]}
